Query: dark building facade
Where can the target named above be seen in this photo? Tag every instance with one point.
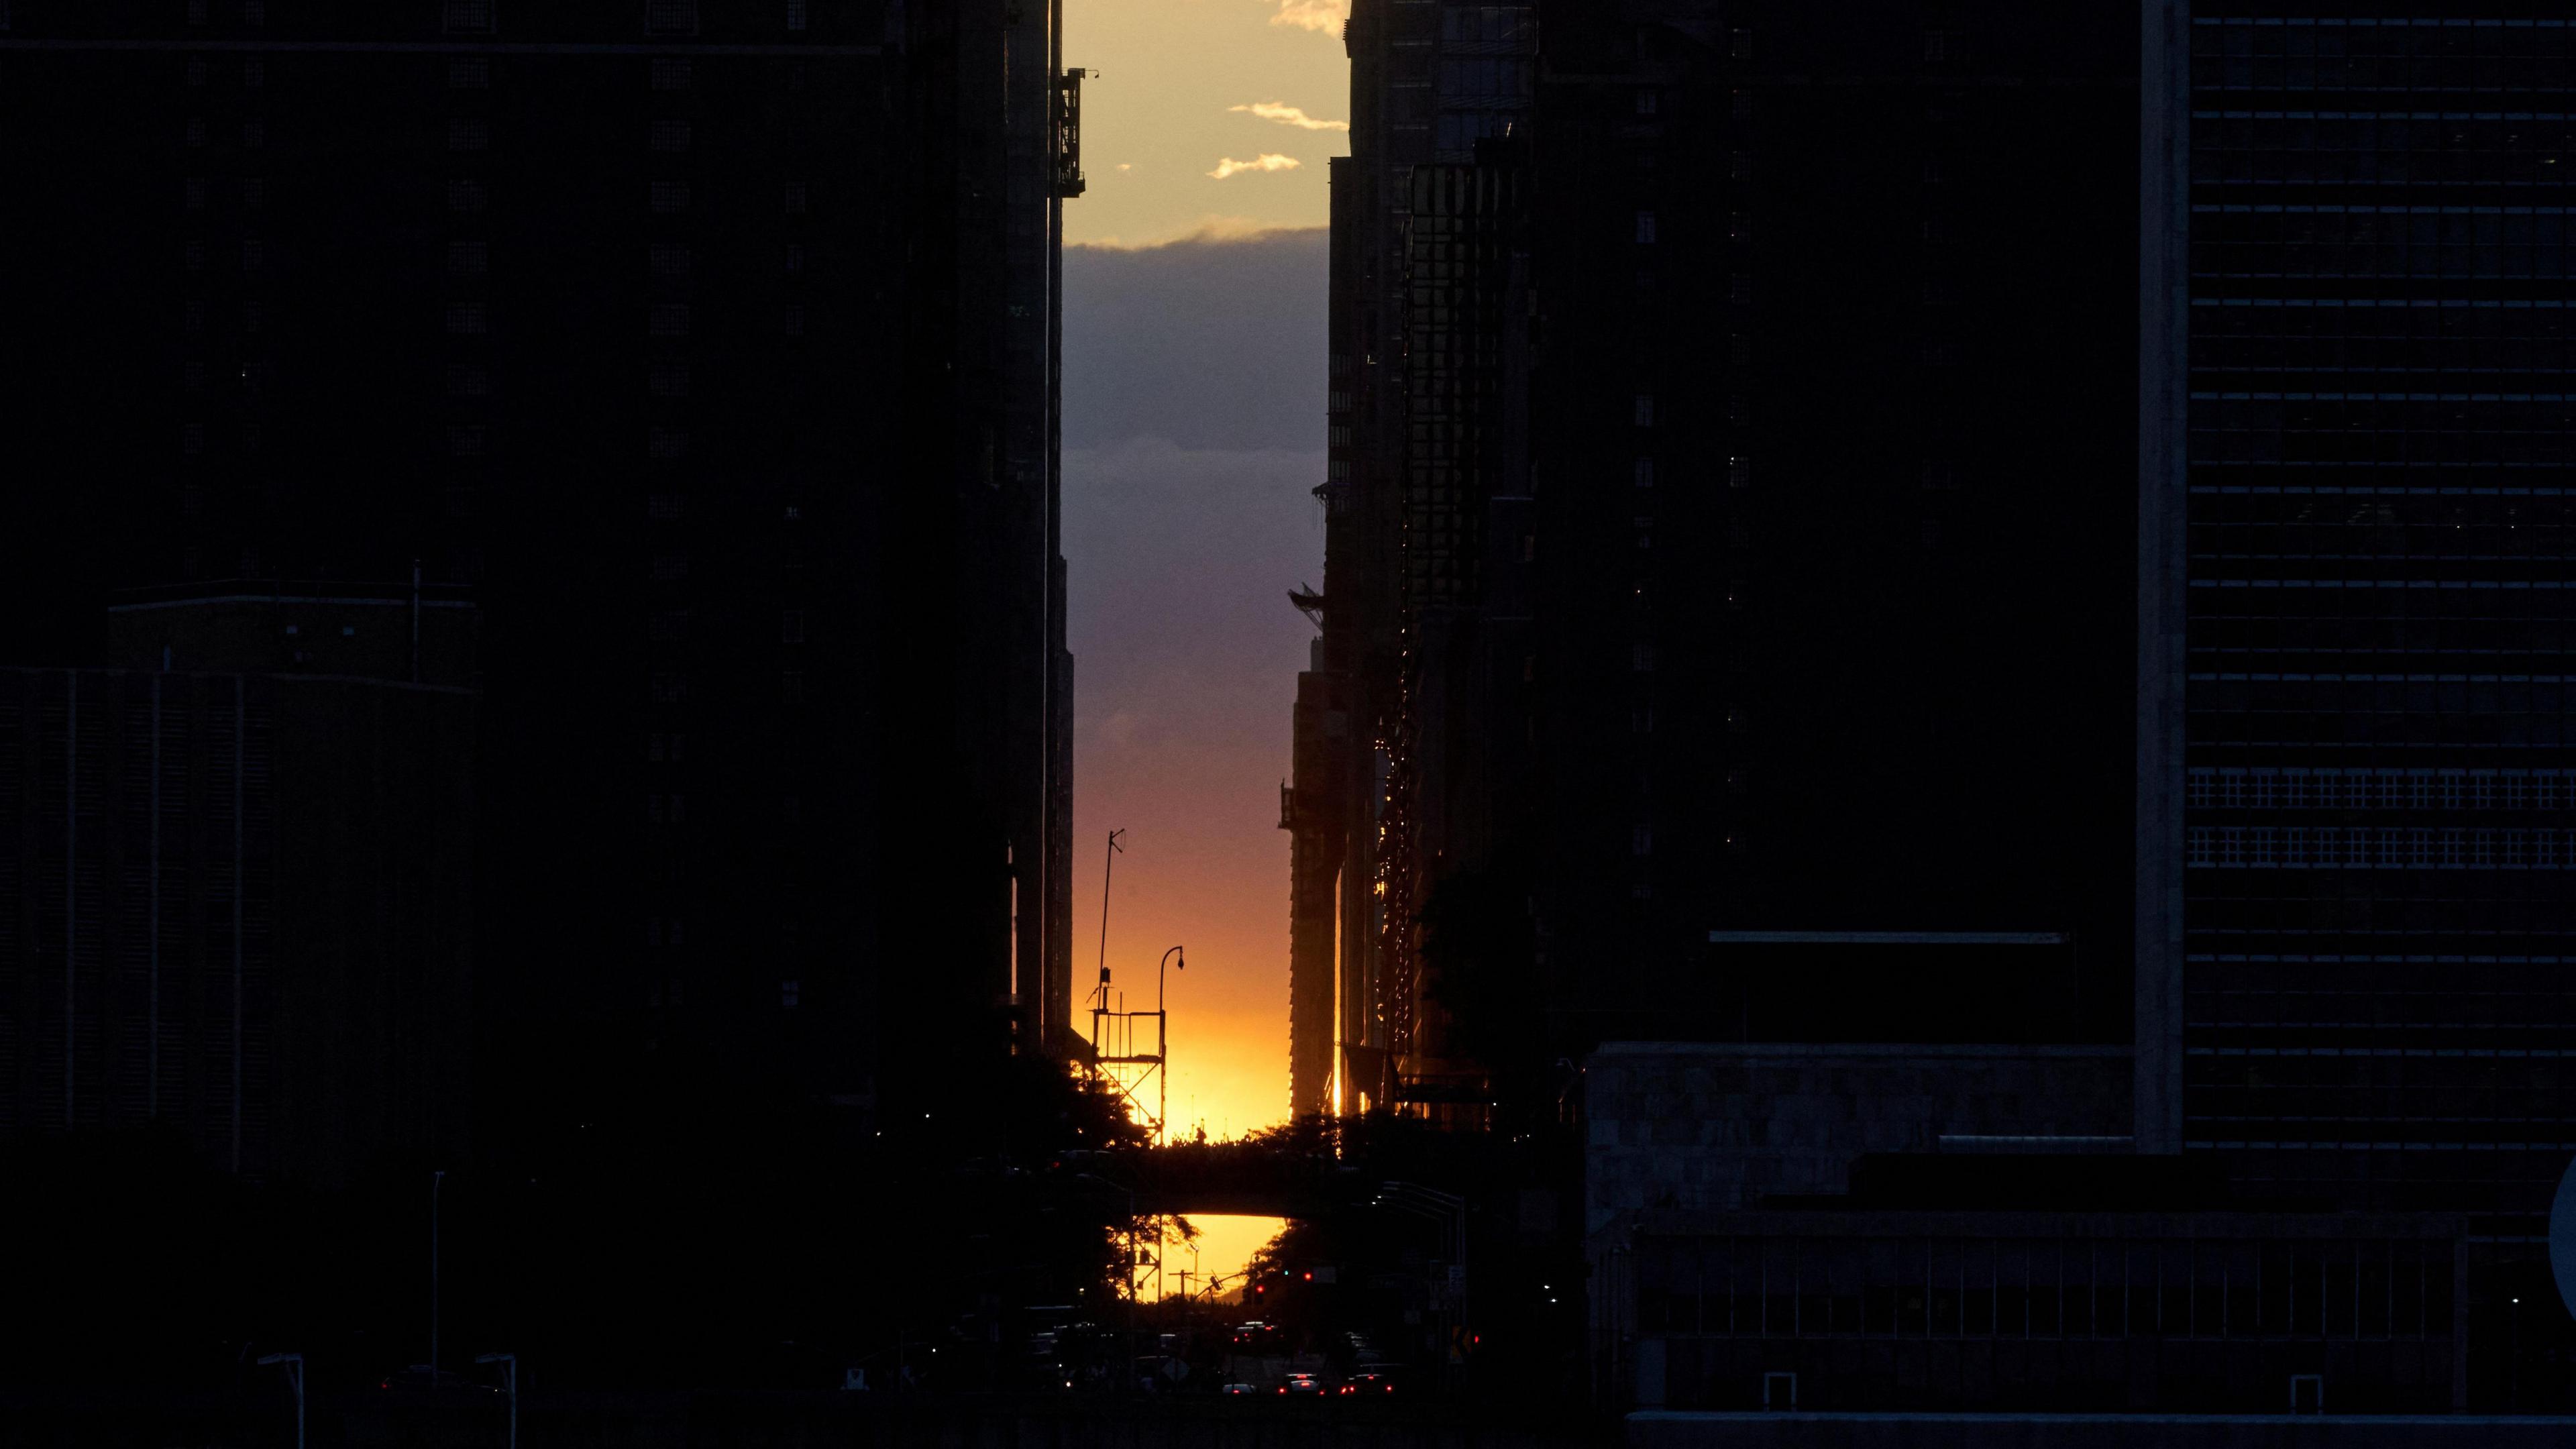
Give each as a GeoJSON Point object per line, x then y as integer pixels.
{"type": "Point", "coordinates": [241, 906]}
{"type": "Point", "coordinates": [2355, 908]}
{"type": "Point", "coordinates": [1727, 532]}
{"type": "Point", "coordinates": [708, 350]}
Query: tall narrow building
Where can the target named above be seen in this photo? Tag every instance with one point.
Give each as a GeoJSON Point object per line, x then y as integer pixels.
{"type": "Point", "coordinates": [2357, 763]}
{"type": "Point", "coordinates": [1728, 528]}
{"type": "Point", "coordinates": [708, 350]}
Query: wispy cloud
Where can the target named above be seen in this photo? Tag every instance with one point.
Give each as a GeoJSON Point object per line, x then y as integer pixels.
{"type": "Point", "coordinates": [1326, 15]}
{"type": "Point", "coordinates": [1266, 161]}
{"type": "Point", "coordinates": [1290, 116]}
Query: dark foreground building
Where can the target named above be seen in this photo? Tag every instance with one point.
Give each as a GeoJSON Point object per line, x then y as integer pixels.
{"type": "Point", "coordinates": [1728, 528]}
{"type": "Point", "coordinates": [2357, 913]}
{"type": "Point", "coordinates": [707, 351]}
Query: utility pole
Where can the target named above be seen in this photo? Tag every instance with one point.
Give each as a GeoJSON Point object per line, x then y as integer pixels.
{"type": "Point", "coordinates": [435, 1178]}
{"type": "Point", "coordinates": [1109, 864]}
{"type": "Point", "coordinates": [295, 1380]}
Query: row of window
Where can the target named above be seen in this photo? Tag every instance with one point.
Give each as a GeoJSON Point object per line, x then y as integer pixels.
{"type": "Point", "coordinates": [2387, 135]}
{"type": "Point", "coordinates": [478, 17]}
{"type": "Point", "coordinates": [2385, 847]}
{"type": "Point", "coordinates": [2048, 1287]}
{"type": "Point", "coordinates": [2290, 788]}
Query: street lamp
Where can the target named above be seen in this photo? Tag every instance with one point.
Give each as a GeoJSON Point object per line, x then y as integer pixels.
{"type": "Point", "coordinates": [295, 1380]}
{"type": "Point", "coordinates": [509, 1363]}
{"type": "Point", "coordinates": [1163, 1050]}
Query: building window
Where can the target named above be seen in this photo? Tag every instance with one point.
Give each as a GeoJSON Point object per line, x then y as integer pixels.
{"type": "Point", "coordinates": [665, 445]}
{"type": "Point", "coordinates": [468, 135]}
{"type": "Point", "coordinates": [468, 319]}
{"type": "Point", "coordinates": [787, 994]}
{"type": "Point", "coordinates": [670, 196]}
{"type": "Point", "coordinates": [671, 17]}
{"type": "Point", "coordinates": [1645, 531]}
{"type": "Point", "coordinates": [670, 688]}
{"type": "Point", "coordinates": [793, 321]}
{"type": "Point", "coordinates": [1739, 44]}
{"type": "Point", "coordinates": [192, 438]}
{"type": "Point", "coordinates": [465, 196]}
{"type": "Point", "coordinates": [254, 12]}
{"type": "Point", "coordinates": [465, 440]}
{"type": "Point", "coordinates": [1641, 840]}
{"type": "Point", "coordinates": [196, 193]}
{"type": "Point", "coordinates": [254, 73]}
{"type": "Point", "coordinates": [1739, 472]}
{"type": "Point", "coordinates": [1645, 409]}
{"type": "Point", "coordinates": [670, 259]}
{"type": "Point", "coordinates": [1641, 658]}
{"type": "Point", "coordinates": [252, 254]}
{"type": "Point", "coordinates": [252, 315]}
{"type": "Point", "coordinates": [196, 131]}
{"type": "Point", "coordinates": [791, 627]}
{"type": "Point", "coordinates": [662, 506]}
{"type": "Point", "coordinates": [470, 17]}
{"type": "Point", "coordinates": [1739, 290]}
{"type": "Point", "coordinates": [1739, 166]}
{"type": "Point", "coordinates": [1649, 101]}
{"type": "Point", "coordinates": [254, 135]}
{"type": "Point", "coordinates": [472, 73]}
{"type": "Point", "coordinates": [254, 192]}
{"type": "Point", "coordinates": [469, 258]}
{"type": "Point", "coordinates": [196, 12]}
{"type": "Point", "coordinates": [670, 75]}
{"type": "Point", "coordinates": [795, 14]}
{"type": "Point", "coordinates": [468, 382]}
{"type": "Point", "coordinates": [670, 379]}
{"type": "Point", "coordinates": [794, 198]}
{"type": "Point", "coordinates": [671, 135]}
{"type": "Point", "coordinates": [791, 687]}
{"type": "Point", "coordinates": [670, 319]}
{"type": "Point", "coordinates": [668, 626]}
{"type": "Point", "coordinates": [1645, 228]}
{"type": "Point", "coordinates": [670, 566]}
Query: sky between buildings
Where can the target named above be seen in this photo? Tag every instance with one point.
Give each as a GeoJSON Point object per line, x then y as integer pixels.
{"type": "Point", "coordinates": [1205, 114]}
{"type": "Point", "coordinates": [1194, 416]}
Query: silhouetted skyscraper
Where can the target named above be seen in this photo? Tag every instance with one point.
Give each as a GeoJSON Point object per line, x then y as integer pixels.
{"type": "Point", "coordinates": [709, 350]}
{"type": "Point", "coordinates": [1728, 531]}
{"type": "Point", "coordinates": [2357, 763]}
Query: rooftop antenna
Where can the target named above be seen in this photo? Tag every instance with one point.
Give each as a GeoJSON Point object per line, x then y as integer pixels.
{"type": "Point", "coordinates": [1109, 863]}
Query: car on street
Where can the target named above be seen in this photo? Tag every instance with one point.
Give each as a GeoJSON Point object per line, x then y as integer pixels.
{"type": "Point", "coordinates": [1368, 1384]}
{"type": "Point", "coordinates": [1302, 1384]}
{"type": "Point", "coordinates": [1237, 1389]}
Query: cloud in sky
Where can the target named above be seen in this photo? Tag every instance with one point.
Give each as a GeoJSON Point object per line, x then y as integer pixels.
{"type": "Point", "coordinates": [1266, 161]}
{"type": "Point", "coordinates": [1324, 15]}
{"type": "Point", "coordinates": [1215, 342]}
{"type": "Point", "coordinates": [1290, 116]}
